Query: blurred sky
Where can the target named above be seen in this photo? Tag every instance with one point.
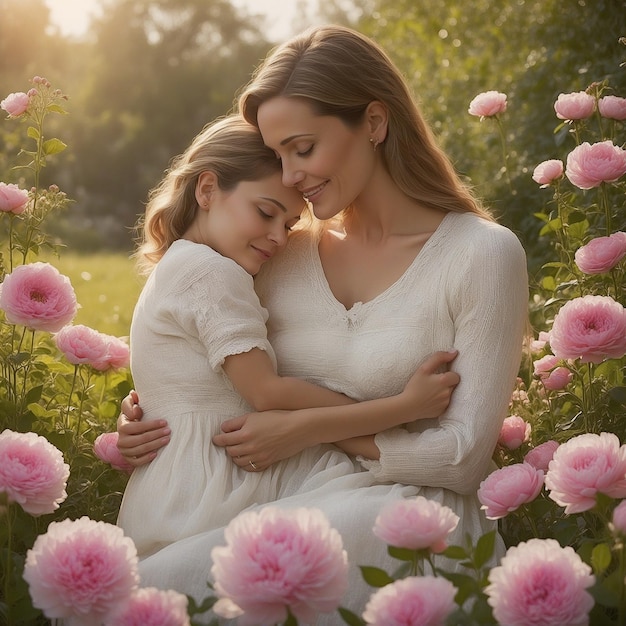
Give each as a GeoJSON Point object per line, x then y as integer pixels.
{"type": "Point", "coordinates": [72, 16]}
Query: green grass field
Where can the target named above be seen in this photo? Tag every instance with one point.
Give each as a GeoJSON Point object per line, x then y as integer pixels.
{"type": "Point", "coordinates": [106, 286]}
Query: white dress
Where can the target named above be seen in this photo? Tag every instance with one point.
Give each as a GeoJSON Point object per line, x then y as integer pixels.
{"type": "Point", "coordinates": [467, 289]}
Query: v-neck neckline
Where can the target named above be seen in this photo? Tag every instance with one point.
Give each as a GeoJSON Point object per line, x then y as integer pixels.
{"type": "Point", "coordinates": [359, 305]}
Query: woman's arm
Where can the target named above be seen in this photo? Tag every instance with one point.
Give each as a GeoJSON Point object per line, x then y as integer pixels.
{"type": "Point", "coordinates": [268, 437]}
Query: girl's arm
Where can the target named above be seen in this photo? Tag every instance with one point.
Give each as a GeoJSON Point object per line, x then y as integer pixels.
{"type": "Point", "coordinates": [265, 438]}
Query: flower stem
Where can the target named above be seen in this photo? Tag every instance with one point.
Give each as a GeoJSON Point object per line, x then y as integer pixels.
{"type": "Point", "coordinates": [505, 152]}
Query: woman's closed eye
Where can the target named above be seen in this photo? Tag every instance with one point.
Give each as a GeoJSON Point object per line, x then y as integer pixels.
{"type": "Point", "coordinates": [306, 152]}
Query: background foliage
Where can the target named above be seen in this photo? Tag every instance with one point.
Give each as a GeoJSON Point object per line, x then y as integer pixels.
{"type": "Point", "coordinates": [150, 73]}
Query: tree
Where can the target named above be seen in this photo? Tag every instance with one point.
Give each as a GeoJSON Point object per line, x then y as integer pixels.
{"type": "Point", "coordinates": [156, 72]}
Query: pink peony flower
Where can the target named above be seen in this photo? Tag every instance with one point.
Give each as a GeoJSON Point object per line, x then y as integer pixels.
{"type": "Point", "coordinates": [416, 523]}
{"type": "Point", "coordinates": [83, 345]}
{"type": "Point", "coordinates": [12, 198]}
{"type": "Point", "coordinates": [32, 472]}
{"type": "Point", "coordinates": [152, 607]}
{"type": "Point", "coordinates": [539, 583]}
{"type": "Point", "coordinates": [575, 106]}
{"type": "Point", "coordinates": [540, 456]}
{"type": "Point", "coordinates": [488, 104]}
{"type": "Point", "coordinates": [39, 297]}
{"type": "Point", "coordinates": [514, 432]}
{"type": "Point", "coordinates": [81, 570]}
{"type": "Point", "coordinates": [547, 172]}
{"type": "Point", "coordinates": [584, 466]}
{"type": "Point", "coordinates": [277, 558]}
{"type": "Point", "coordinates": [118, 352]}
{"type": "Point", "coordinates": [15, 103]}
{"type": "Point", "coordinates": [591, 328]}
{"type": "Point", "coordinates": [105, 448]}
{"type": "Point", "coordinates": [590, 165]}
{"type": "Point", "coordinates": [412, 601]}
{"type": "Point", "coordinates": [601, 254]}
{"type": "Point", "coordinates": [612, 107]}
{"type": "Point", "coordinates": [618, 523]}
{"type": "Point", "coordinates": [507, 488]}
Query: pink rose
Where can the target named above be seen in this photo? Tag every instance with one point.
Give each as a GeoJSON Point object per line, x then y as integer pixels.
{"type": "Point", "coordinates": [105, 448]}
{"type": "Point", "coordinates": [514, 432]}
{"type": "Point", "coordinates": [278, 558]}
{"type": "Point", "coordinates": [488, 104]}
{"type": "Point", "coordinates": [506, 489]}
{"type": "Point", "coordinates": [540, 456]}
{"type": "Point", "coordinates": [612, 107]}
{"type": "Point", "coordinates": [13, 199]}
{"type": "Point", "coordinates": [81, 570]}
{"type": "Point", "coordinates": [543, 339]}
{"type": "Point", "coordinates": [15, 103]}
{"type": "Point", "coordinates": [557, 379]}
{"type": "Point", "coordinates": [589, 165]}
{"type": "Point", "coordinates": [118, 352]}
{"type": "Point", "coordinates": [547, 172]}
{"type": "Point", "coordinates": [545, 365]}
{"type": "Point", "coordinates": [584, 466]}
{"type": "Point", "coordinates": [601, 254]}
{"type": "Point", "coordinates": [540, 583]}
{"type": "Point", "coordinates": [38, 296]}
{"type": "Point", "coordinates": [575, 106]}
{"type": "Point", "coordinates": [152, 607]}
{"type": "Point", "coordinates": [619, 519]}
{"type": "Point", "coordinates": [591, 328]}
{"type": "Point", "coordinates": [416, 523]}
{"type": "Point", "coordinates": [32, 472]}
{"type": "Point", "coordinates": [83, 345]}
{"type": "Point", "coordinates": [418, 601]}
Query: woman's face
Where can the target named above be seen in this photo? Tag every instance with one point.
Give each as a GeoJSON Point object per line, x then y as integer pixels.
{"type": "Point", "coordinates": [323, 158]}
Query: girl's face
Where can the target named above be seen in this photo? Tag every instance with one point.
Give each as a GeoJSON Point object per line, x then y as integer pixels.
{"type": "Point", "coordinates": [328, 162]}
{"type": "Point", "coordinates": [248, 224]}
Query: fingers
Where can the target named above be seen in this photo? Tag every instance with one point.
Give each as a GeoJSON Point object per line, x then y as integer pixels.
{"type": "Point", "coordinates": [438, 361]}
{"type": "Point", "coordinates": [130, 406]}
{"type": "Point", "coordinates": [233, 424]}
{"type": "Point", "coordinates": [139, 442]}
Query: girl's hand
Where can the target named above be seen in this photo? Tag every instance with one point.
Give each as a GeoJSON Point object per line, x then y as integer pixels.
{"type": "Point", "coordinates": [429, 390]}
{"type": "Point", "coordinates": [257, 440]}
{"type": "Point", "coordinates": [139, 441]}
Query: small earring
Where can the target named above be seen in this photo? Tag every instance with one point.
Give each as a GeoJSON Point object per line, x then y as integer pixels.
{"type": "Point", "coordinates": [374, 143]}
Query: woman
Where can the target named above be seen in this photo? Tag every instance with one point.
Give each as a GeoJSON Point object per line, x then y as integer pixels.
{"type": "Point", "coordinates": [405, 262]}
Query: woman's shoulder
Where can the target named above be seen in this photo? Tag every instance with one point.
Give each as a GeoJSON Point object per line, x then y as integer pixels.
{"type": "Point", "coordinates": [478, 232]}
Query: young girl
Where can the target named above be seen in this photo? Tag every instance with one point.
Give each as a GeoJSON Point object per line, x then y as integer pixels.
{"type": "Point", "coordinates": [199, 348]}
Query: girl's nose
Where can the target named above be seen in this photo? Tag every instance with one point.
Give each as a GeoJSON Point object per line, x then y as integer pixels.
{"type": "Point", "coordinates": [278, 235]}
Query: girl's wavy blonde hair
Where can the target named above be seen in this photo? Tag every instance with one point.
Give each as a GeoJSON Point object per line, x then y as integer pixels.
{"type": "Point", "coordinates": [339, 72]}
{"type": "Point", "coordinates": [231, 148]}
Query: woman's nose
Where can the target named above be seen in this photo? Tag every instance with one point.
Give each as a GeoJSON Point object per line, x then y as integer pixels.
{"type": "Point", "coordinates": [291, 175]}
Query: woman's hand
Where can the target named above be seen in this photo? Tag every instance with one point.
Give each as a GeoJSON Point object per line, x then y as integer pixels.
{"type": "Point", "coordinates": [139, 441]}
{"type": "Point", "coordinates": [430, 388]}
{"type": "Point", "coordinates": [257, 440]}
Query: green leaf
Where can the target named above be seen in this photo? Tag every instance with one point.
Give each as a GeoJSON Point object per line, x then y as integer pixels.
{"type": "Point", "coordinates": [402, 554]}
{"type": "Point", "coordinates": [55, 108]}
{"type": "Point", "coordinates": [484, 548]}
{"type": "Point", "coordinates": [375, 577]}
{"type": "Point", "coordinates": [53, 146]}
{"type": "Point", "coordinates": [33, 133]}
{"type": "Point", "coordinates": [455, 552]}
{"type": "Point", "coordinates": [350, 618]}
{"type": "Point", "coordinates": [600, 558]}
{"type": "Point", "coordinates": [618, 394]}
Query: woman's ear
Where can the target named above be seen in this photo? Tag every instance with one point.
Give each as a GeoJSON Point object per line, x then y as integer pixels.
{"type": "Point", "coordinates": [377, 119]}
{"type": "Point", "coordinates": [207, 181]}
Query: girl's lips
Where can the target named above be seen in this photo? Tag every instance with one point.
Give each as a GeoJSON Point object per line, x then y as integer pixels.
{"type": "Point", "coordinates": [263, 253]}
{"type": "Point", "coordinates": [309, 194]}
